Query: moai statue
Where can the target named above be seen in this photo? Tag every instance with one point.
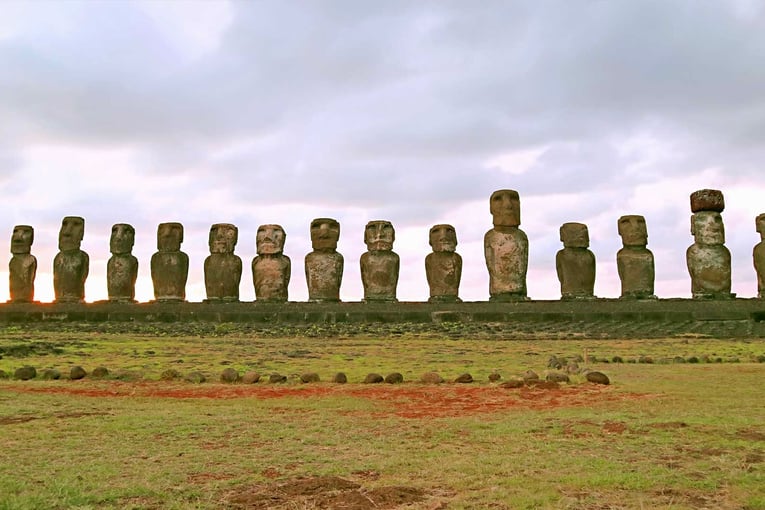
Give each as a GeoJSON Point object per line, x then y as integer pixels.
{"type": "Point", "coordinates": [634, 261]}
{"type": "Point", "coordinates": [379, 264]}
{"type": "Point", "coordinates": [271, 269]}
{"type": "Point", "coordinates": [575, 263]}
{"type": "Point", "coordinates": [71, 265]}
{"type": "Point", "coordinates": [759, 256]}
{"type": "Point", "coordinates": [443, 267]}
{"type": "Point", "coordinates": [23, 265]}
{"type": "Point", "coordinates": [122, 268]}
{"type": "Point", "coordinates": [169, 265]}
{"type": "Point", "coordinates": [506, 248]}
{"type": "Point", "coordinates": [223, 269]}
{"type": "Point", "coordinates": [324, 265]}
{"type": "Point", "coordinates": [708, 259]}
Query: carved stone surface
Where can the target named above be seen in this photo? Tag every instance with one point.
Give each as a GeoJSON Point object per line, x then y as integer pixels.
{"type": "Point", "coordinates": [71, 265]}
{"type": "Point", "coordinates": [575, 263]}
{"type": "Point", "coordinates": [324, 265]}
{"type": "Point", "coordinates": [23, 265]}
{"type": "Point", "coordinates": [223, 269]}
{"type": "Point", "coordinates": [708, 259]}
{"type": "Point", "coordinates": [122, 268]}
{"type": "Point", "coordinates": [443, 267]}
{"type": "Point", "coordinates": [271, 269]}
{"type": "Point", "coordinates": [759, 256]}
{"type": "Point", "coordinates": [379, 264]}
{"type": "Point", "coordinates": [169, 265]}
{"type": "Point", "coordinates": [634, 261]}
{"type": "Point", "coordinates": [506, 248]}
{"type": "Point", "coordinates": [707, 200]}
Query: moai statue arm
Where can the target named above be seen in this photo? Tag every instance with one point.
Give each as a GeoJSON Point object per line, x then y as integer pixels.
{"type": "Point", "coordinates": [288, 270]}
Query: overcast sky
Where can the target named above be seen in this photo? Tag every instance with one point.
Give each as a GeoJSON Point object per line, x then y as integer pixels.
{"type": "Point", "coordinates": [410, 111]}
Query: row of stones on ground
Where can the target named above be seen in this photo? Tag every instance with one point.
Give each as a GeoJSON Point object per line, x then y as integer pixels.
{"type": "Point", "coordinates": [231, 375]}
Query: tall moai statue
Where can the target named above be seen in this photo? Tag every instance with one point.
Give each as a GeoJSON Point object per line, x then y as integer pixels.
{"type": "Point", "coordinates": [506, 248]}
{"type": "Point", "coordinates": [23, 265]}
{"type": "Point", "coordinates": [122, 268]}
{"type": "Point", "coordinates": [634, 261]}
{"type": "Point", "coordinates": [708, 259]}
{"type": "Point", "coordinates": [271, 269]}
{"type": "Point", "coordinates": [223, 269]}
{"type": "Point", "coordinates": [169, 265]}
{"type": "Point", "coordinates": [575, 263]}
{"type": "Point", "coordinates": [379, 264]}
{"type": "Point", "coordinates": [443, 267]}
{"type": "Point", "coordinates": [71, 264]}
{"type": "Point", "coordinates": [759, 256]}
{"type": "Point", "coordinates": [324, 265]}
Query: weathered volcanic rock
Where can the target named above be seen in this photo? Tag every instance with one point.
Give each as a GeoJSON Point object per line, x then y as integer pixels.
{"type": "Point", "coordinates": [530, 375]}
{"type": "Point", "coordinates": [25, 373]}
{"type": "Point", "coordinates": [50, 374]}
{"type": "Point", "coordinates": [250, 377]}
{"type": "Point", "coordinates": [373, 378]}
{"type": "Point", "coordinates": [100, 372]}
{"type": "Point", "coordinates": [340, 378]}
{"type": "Point", "coordinates": [310, 377]}
{"type": "Point", "coordinates": [558, 377]}
{"type": "Point", "coordinates": [598, 378]}
{"type": "Point", "coordinates": [229, 375]}
{"type": "Point", "coordinates": [195, 377]}
{"type": "Point", "coordinates": [707, 200]}
{"type": "Point", "coordinates": [277, 378]}
{"type": "Point", "coordinates": [513, 383]}
{"type": "Point", "coordinates": [494, 377]}
{"type": "Point", "coordinates": [77, 373]}
{"type": "Point", "coordinates": [464, 378]}
{"type": "Point", "coordinates": [431, 378]}
{"type": "Point", "coordinates": [394, 378]}
{"type": "Point", "coordinates": [170, 374]}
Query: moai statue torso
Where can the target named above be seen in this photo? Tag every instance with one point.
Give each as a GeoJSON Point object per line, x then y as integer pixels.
{"type": "Point", "coordinates": [122, 268]}
{"type": "Point", "coordinates": [324, 265]}
{"type": "Point", "coordinates": [379, 264]}
{"type": "Point", "coordinates": [169, 265]}
{"type": "Point", "coordinates": [759, 256]}
{"type": "Point", "coordinates": [634, 261]}
{"type": "Point", "coordinates": [506, 248]}
{"type": "Point", "coordinates": [71, 265]}
{"type": "Point", "coordinates": [23, 265]}
{"type": "Point", "coordinates": [575, 263]}
{"type": "Point", "coordinates": [271, 268]}
{"type": "Point", "coordinates": [708, 259]}
{"type": "Point", "coordinates": [443, 267]}
{"type": "Point", "coordinates": [223, 269]}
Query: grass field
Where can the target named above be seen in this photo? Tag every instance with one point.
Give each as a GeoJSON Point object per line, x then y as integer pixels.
{"type": "Point", "coordinates": [682, 425]}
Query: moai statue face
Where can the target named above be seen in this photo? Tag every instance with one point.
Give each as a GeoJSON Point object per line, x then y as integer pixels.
{"type": "Point", "coordinates": [22, 238]}
{"type": "Point", "coordinates": [760, 222]}
{"type": "Point", "coordinates": [443, 238]}
{"type": "Point", "coordinates": [707, 228]}
{"type": "Point", "coordinates": [325, 233]}
{"type": "Point", "coordinates": [633, 230]}
{"type": "Point", "coordinates": [169, 237]}
{"type": "Point", "coordinates": [122, 239]}
{"type": "Point", "coordinates": [505, 207]}
{"type": "Point", "coordinates": [574, 235]}
{"type": "Point", "coordinates": [223, 237]}
{"type": "Point", "coordinates": [379, 235]}
{"type": "Point", "coordinates": [270, 239]}
{"type": "Point", "coordinates": [71, 233]}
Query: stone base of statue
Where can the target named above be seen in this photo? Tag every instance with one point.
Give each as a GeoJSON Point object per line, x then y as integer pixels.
{"type": "Point", "coordinates": [628, 295]}
{"type": "Point", "coordinates": [214, 301]}
{"type": "Point", "coordinates": [382, 298]}
{"type": "Point", "coordinates": [444, 299]}
{"type": "Point", "coordinates": [578, 297]}
{"type": "Point", "coordinates": [714, 295]}
{"type": "Point", "coordinates": [508, 297]}
{"type": "Point", "coordinates": [168, 300]}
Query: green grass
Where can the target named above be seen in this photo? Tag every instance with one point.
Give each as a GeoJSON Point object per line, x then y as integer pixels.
{"type": "Point", "coordinates": [665, 435]}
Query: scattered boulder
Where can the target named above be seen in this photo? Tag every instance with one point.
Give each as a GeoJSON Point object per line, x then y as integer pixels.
{"type": "Point", "coordinates": [250, 377]}
{"type": "Point", "coordinates": [617, 359]}
{"type": "Point", "coordinates": [77, 373]}
{"type": "Point", "coordinates": [310, 377]}
{"type": "Point", "coordinates": [572, 367]}
{"type": "Point", "coordinates": [645, 359]}
{"type": "Point", "coordinates": [394, 378]}
{"type": "Point", "coordinates": [547, 385]}
{"type": "Point", "coordinates": [554, 362]}
{"type": "Point", "coordinates": [340, 378]}
{"type": "Point", "coordinates": [100, 372]}
{"type": "Point", "coordinates": [4, 374]}
{"type": "Point", "coordinates": [598, 378]}
{"type": "Point", "coordinates": [195, 377]}
{"type": "Point", "coordinates": [431, 378]}
{"type": "Point", "coordinates": [50, 374]}
{"type": "Point", "coordinates": [373, 378]}
{"type": "Point", "coordinates": [494, 377]}
{"type": "Point", "coordinates": [557, 377]}
{"type": "Point", "coordinates": [229, 375]}
{"type": "Point", "coordinates": [170, 374]}
{"type": "Point", "coordinates": [25, 373]}
{"type": "Point", "coordinates": [464, 378]}
{"type": "Point", "coordinates": [513, 382]}
{"type": "Point", "coordinates": [277, 378]}
{"type": "Point", "coordinates": [530, 375]}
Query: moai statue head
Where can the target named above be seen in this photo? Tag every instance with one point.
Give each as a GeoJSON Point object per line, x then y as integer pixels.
{"type": "Point", "coordinates": [760, 223]}
{"type": "Point", "coordinates": [270, 239]}
{"type": "Point", "coordinates": [505, 207]}
{"type": "Point", "coordinates": [223, 238]}
{"type": "Point", "coordinates": [633, 231]}
{"type": "Point", "coordinates": [71, 233]}
{"type": "Point", "coordinates": [21, 240]}
{"type": "Point", "coordinates": [379, 235]}
{"type": "Point", "coordinates": [574, 235]}
{"type": "Point", "coordinates": [122, 239]}
{"type": "Point", "coordinates": [169, 237]}
{"type": "Point", "coordinates": [443, 238]}
{"type": "Point", "coordinates": [325, 233]}
{"type": "Point", "coordinates": [707, 227]}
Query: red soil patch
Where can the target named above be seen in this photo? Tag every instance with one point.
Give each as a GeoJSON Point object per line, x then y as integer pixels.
{"type": "Point", "coordinates": [406, 401]}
